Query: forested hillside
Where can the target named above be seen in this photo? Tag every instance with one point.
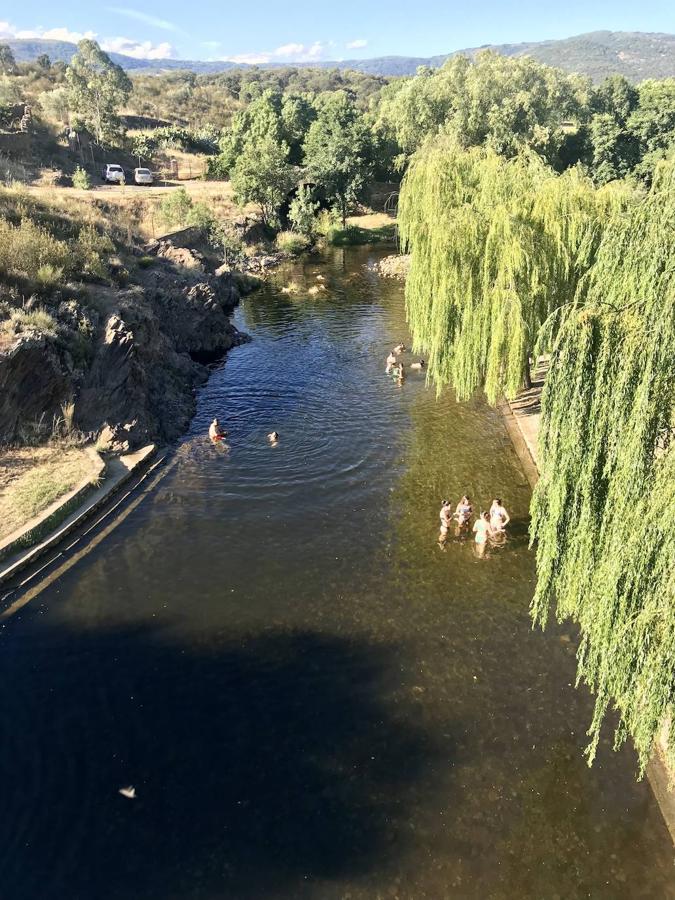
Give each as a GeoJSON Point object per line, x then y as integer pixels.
{"type": "Point", "coordinates": [634, 54]}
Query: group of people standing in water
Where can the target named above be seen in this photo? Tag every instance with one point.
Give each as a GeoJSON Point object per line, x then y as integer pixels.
{"type": "Point", "coordinates": [489, 526]}
{"type": "Point", "coordinates": [395, 366]}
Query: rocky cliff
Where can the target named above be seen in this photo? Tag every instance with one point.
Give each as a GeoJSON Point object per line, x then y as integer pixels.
{"type": "Point", "coordinates": [128, 358]}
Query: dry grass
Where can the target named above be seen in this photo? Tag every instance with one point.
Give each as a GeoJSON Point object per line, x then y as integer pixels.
{"type": "Point", "coordinates": [31, 478]}
{"type": "Point", "coordinates": [136, 209]}
{"type": "Point", "coordinates": [371, 221]}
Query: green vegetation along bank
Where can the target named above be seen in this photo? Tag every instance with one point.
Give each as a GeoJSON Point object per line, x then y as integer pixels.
{"type": "Point", "coordinates": [510, 259]}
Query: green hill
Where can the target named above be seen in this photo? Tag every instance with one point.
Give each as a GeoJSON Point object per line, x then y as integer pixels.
{"type": "Point", "coordinates": [637, 55]}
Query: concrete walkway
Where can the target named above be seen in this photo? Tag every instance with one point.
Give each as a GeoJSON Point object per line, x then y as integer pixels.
{"type": "Point", "coordinates": [117, 471]}
{"type": "Point", "coordinates": [523, 418]}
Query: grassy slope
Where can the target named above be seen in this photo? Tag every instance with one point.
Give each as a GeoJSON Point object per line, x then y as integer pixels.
{"type": "Point", "coordinates": [31, 478]}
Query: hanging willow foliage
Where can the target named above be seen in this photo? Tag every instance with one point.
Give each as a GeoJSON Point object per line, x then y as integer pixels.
{"type": "Point", "coordinates": [603, 512]}
{"type": "Point", "coordinates": [497, 246]}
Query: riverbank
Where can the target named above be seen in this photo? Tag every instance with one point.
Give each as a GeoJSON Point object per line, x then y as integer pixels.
{"type": "Point", "coordinates": [523, 418]}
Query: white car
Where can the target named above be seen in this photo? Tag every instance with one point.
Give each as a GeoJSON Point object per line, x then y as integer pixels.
{"type": "Point", "coordinates": [113, 174]}
{"type": "Point", "coordinates": [143, 176]}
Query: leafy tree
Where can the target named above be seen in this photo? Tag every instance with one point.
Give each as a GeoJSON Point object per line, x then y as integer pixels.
{"type": "Point", "coordinates": [652, 123]}
{"type": "Point", "coordinates": [303, 212]}
{"type": "Point", "coordinates": [7, 61]}
{"type": "Point", "coordinates": [496, 101]}
{"type": "Point", "coordinates": [43, 61]}
{"type": "Point", "coordinates": [339, 152]}
{"type": "Point", "coordinates": [615, 150]}
{"type": "Point", "coordinates": [497, 247]}
{"type": "Point", "coordinates": [97, 88]}
{"type": "Point", "coordinates": [411, 110]}
{"type": "Point", "coordinates": [602, 517]}
{"type": "Point", "coordinates": [615, 97]}
{"type": "Point", "coordinates": [252, 125]}
{"type": "Point", "coordinates": [297, 114]}
{"type": "Point", "coordinates": [614, 147]}
{"type": "Point", "coordinates": [263, 175]}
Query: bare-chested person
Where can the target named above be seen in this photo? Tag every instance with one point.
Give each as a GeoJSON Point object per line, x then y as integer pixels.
{"type": "Point", "coordinates": [216, 433]}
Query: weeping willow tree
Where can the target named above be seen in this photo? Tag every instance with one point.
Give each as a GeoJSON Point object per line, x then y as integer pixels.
{"type": "Point", "coordinates": [603, 512]}
{"type": "Point", "coordinates": [498, 246]}
{"type": "Point", "coordinates": [507, 256]}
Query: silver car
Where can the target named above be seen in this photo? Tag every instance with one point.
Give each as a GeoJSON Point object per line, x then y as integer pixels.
{"type": "Point", "coordinates": [113, 174]}
{"type": "Point", "coordinates": [143, 176]}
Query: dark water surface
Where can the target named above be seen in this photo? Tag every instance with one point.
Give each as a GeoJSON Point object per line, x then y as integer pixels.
{"type": "Point", "coordinates": [311, 698]}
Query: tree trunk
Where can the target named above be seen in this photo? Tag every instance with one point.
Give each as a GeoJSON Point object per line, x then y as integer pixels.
{"type": "Point", "coordinates": [527, 375]}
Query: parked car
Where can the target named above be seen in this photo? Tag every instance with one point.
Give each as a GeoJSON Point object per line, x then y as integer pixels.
{"type": "Point", "coordinates": [113, 174]}
{"type": "Point", "coordinates": [143, 176]}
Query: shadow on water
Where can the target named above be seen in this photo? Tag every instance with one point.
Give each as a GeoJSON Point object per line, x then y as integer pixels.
{"type": "Point", "coordinates": [260, 768]}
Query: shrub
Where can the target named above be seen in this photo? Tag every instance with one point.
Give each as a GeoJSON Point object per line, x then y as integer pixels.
{"type": "Point", "coordinates": [90, 248]}
{"type": "Point", "coordinates": [39, 319]}
{"type": "Point", "coordinates": [224, 238]}
{"type": "Point", "coordinates": [48, 276]}
{"type": "Point", "coordinates": [302, 212]}
{"type": "Point", "coordinates": [81, 179]}
{"type": "Point", "coordinates": [201, 216]}
{"type": "Point", "coordinates": [26, 247]}
{"type": "Point", "coordinates": [175, 209]}
{"type": "Point", "coordinates": [290, 242]}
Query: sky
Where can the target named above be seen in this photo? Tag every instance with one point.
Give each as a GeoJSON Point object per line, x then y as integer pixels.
{"type": "Point", "coordinates": [304, 31]}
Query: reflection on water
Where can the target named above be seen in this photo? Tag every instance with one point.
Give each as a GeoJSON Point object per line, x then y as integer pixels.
{"type": "Point", "coordinates": [310, 696]}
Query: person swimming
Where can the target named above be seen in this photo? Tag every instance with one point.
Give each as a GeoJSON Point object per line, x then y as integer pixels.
{"type": "Point", "coordinates": [499, 517]}
{"type": "Point", "coordinates": [273, 437]}
{"type": "Point", "coordinates": [391, 362]}
{"type": "Point", "coordinates": [418, 365]}
{"type": "Point", "coordinates": [463, 511]}
{"type": "Point", "coordinates": [216, 433]}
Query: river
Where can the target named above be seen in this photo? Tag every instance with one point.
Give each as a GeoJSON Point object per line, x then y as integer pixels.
{"type": "Point", "coordinates": [312, 698]}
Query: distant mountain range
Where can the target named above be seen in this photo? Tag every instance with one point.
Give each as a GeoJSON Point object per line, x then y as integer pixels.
{"type": "Point", "coordinates": [637, 55]}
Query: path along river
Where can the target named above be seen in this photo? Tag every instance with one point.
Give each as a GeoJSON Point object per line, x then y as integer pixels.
{"type": "Point", "coordinates": [311, 698]}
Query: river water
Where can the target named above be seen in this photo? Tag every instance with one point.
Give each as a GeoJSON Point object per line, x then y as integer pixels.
{"type": "Point", "coordinates": [310, 696]}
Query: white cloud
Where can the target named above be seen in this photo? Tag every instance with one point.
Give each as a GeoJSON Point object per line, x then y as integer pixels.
{"type": "Point", "coordinates": [138, 49]}
{"type": "Point", "coordinates": [357, 44]}
{"type": "Point", "coordinates": [140, 16]}
{"type": "Point", "coordinates": [52, 34]}
{"type": "Point", "coordinates": [289, 53]}
{"type": "Point", "coordinates": [128, 46]}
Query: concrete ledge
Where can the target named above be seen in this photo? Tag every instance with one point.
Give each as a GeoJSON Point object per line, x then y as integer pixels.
{"type": "Point", "coordinates": [58, 520]}
{"type": "Point", "coordinates": [522, 417]}
{"type": "Point", "coordinates": [40, 525]}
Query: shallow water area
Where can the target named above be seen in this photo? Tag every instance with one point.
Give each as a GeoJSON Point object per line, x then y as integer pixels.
{"type": "Point", "coordinates": [312, 697]}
